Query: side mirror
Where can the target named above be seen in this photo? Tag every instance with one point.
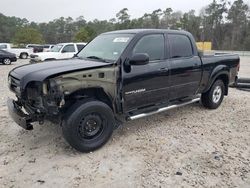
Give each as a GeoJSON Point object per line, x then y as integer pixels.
{"type": "Point", "coordinates": [139, 59]}
{"type": "Point", "coordinates": [63, 51]}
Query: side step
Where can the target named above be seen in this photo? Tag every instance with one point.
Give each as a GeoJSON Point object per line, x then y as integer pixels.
{"type": "Point", "coordinates": [162, 109]}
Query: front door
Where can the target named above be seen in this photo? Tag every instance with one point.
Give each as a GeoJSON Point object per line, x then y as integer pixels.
{"type": "Point", "coordinates": [147, 85]}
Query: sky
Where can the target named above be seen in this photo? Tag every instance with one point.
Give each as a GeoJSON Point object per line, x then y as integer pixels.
{"type": "Point", "coordinates": [47, 10]}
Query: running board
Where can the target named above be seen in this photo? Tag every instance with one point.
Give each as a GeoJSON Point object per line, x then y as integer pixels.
{"type": "Point", "coordinates": [162, 109]}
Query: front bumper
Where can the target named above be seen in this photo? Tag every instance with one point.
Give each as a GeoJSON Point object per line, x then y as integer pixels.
{"type": "Point", "coordinates": [22, 119]}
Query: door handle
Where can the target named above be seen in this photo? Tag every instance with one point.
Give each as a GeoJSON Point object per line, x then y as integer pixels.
{"type": "Point", "coordinates": [164, 69]}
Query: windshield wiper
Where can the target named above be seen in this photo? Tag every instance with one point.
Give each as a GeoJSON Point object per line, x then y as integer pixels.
{"type": "Point", "coordinates": [98, 58]}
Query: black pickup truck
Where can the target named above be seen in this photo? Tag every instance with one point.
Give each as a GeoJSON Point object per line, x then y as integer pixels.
{"type": "Point", "coordinates": [119, 76]}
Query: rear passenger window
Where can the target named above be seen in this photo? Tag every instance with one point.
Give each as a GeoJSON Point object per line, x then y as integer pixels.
{"type": "Point", "coordinates": [153, 45]}
{"type": "Point", "coordinates": [180, 46]}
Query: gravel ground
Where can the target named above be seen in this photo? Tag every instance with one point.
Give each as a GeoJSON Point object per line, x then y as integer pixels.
{"type": "Point", "coordinates": [185, 147]}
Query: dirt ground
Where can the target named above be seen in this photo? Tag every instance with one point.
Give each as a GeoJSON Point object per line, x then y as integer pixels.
{"type": "Point", "coordinates": [185, 147]}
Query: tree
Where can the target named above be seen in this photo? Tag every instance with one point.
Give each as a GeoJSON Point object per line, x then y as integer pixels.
{"type": "Point", "coordinates": [155, 18]}
{"type": "Point", "coordinates": [226, 25]}
{"type": "Point", "coordinates": [213, 22]}
{"type": "Point", "coordinates": [237, 15]}
{"type": "Point", "coordinates": [82, 36]}
{"type": "Point", "coordinates": [123, 19]}
{"type": "Point", "coordinates": [123, 15]}
{"type": "Point", "coordinates": [190, 22]}
{"type": "Point", "coordinates": [27, 35]}
{"type": "Point", "coordinates": [165, 21]}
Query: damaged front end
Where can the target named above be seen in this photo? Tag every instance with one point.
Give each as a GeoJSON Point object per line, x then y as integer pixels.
{"type": "Point", "coordinates": [38, 101]}
{"type": "Point", "coordinates": [51, 98]}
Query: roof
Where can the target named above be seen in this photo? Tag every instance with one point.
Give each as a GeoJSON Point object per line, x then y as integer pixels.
{"type": "Point", "coordinates": [137, 31]}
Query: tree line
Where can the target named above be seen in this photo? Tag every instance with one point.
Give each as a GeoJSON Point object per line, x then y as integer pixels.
{"type": "Point", "coordinates": [225, 24]}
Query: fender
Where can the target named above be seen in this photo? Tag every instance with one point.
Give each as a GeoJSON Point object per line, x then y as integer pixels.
{"type": "Point", "coordinates": [220, 70]}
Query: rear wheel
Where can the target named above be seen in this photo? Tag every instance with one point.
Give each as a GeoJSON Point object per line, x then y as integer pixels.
{"type": "Point", "coordinates": [213, 98]}
{"type": "Point", "coordinates": [7, 61]}
{"type": "Point", "coordinates": [88, 125]}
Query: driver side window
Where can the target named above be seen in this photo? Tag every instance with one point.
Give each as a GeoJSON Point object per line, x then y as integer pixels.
{"type": "Point", "coordinates": [69, 48]}
{"type": "Point", "coordinates": [153, 45]}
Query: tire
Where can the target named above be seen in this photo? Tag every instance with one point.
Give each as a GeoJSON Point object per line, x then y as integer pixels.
{"type": "Point", "coordinates": [6, 61]}
{"type": "Point", "coordinates": [23, 55]}
{"type": "Point", "coordinates": [88, 125]}
{"type": "Point", "coordinates": [213, 98]}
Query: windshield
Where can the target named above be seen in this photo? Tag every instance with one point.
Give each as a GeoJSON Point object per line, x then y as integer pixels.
{"type": "Point", "coordinates": [3, 46]}
{"type": "Point", "coordinates": [56, 48]}
{"type": "Point", "coordinates": [107, 47]}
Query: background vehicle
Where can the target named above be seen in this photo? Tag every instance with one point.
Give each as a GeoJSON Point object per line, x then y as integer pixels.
{"type": "Point", "coordinates": [35, 47]}
{"type": "Point", "coordinates": [22, 53]}
{"type": "Point", "coordinates": [47, 47]}
{"type": "Point", "coordinates": [119, 76]}
{"type": "Point", "coordinates": [6, 57]}
{"type": "Point", "coordinates": [59, 51]}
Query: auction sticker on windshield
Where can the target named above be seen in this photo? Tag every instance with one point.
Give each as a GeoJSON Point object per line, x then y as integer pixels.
{"type": "Point", "coordinates": [121, 39]}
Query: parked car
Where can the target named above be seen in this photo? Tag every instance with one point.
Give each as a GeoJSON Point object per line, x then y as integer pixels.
{"type": "Point", "coordinates": [7, 58]}
{"type": "Point", "coordinates": [35, 47]}
{"type": "Point", "coordinates": [59, 51]}
{"type": "Point", "coordinates": [119, 76]}
{"type": "Point", "coordinates": [22, 53]}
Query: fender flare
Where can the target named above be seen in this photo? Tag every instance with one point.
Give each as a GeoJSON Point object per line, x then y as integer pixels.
{"type": "Point", "coordinates": [221, 70]}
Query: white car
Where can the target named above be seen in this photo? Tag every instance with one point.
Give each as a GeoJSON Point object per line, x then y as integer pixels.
{"type": "Point", "coordinates": [22, 53]}
{"type": "Point", "coordinates": [59, 51]}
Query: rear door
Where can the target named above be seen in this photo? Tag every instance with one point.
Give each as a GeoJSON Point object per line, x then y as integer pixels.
{"type": "Point", "coordinates": [147, 85]}
{"type": "Point", "coordinates": [186, 68]}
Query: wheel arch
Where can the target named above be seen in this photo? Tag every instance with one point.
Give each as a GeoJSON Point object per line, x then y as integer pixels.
{"type": "Point", "coordinates": [26, 53]}
{"type": "Point", "coordinates": [97, 93]}
{"type": "Point", "coordinates": [220, 72]}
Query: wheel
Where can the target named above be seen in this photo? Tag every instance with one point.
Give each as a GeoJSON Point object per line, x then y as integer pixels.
{"type": "Point", "coordinates": [88, 125]}
{"type": "Point", "coordinates": [24, 56]}
{"type": "Point", "coordinates": [6, 61]}
{"type": "Point", "coordinates": [214, 97]}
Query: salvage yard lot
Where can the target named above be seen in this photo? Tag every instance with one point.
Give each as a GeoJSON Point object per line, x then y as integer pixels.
{"type": "Point", "coordinates": [189, 146]}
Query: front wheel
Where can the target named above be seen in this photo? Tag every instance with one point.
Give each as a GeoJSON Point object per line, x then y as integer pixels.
{"type": "Point", "coordinates": [6, 61]}
{"type": "Point", "coordinates": [88, 125]}
{"type": "Point", "coordinates": [213, 98]}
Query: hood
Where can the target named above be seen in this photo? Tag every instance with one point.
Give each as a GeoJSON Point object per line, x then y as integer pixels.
{"type": "Point", "coordinates": [40, 71]}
